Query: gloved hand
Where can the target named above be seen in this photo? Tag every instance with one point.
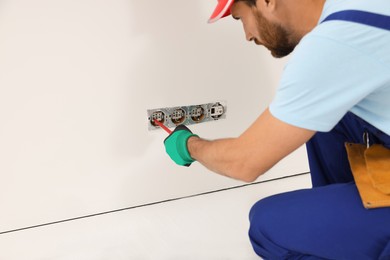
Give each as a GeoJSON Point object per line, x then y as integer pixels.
{"type": "Point", "coordinates": [176, 145]}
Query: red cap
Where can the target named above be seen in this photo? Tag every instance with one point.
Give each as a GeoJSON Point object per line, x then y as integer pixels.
{"type": "Point", "coordinates": [222, 10]}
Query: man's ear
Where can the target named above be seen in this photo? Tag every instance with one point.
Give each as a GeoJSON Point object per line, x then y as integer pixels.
{"type": "Point", "coordinates": [270, 5]}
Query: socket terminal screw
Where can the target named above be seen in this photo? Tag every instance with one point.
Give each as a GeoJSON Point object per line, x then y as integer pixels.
{"type": "Point", "coordinates": [178, 116]}
{"type": "Point", "coordinates": [159, 116]}
{"type": "Point", "coordinates": [197, 114]}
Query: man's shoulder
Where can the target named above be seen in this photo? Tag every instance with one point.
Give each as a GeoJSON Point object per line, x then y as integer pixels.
{"type": "Point", "coordinates": [360, 38]}
{"type": "Point", "coordinates": [374, 6]}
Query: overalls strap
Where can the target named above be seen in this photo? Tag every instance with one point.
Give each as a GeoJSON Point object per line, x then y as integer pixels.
{"type": "Point", "coordinates": [362, 17]}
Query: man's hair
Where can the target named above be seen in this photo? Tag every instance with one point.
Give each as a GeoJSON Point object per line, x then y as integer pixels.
{"type": "Point", "coordinates": [248, 2]}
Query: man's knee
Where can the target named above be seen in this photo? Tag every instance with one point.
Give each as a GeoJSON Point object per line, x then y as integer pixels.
{"type": "Point", "coordinates": [262, 223]}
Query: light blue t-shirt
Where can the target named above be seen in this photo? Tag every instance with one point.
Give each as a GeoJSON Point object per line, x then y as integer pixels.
{"type": "Point", "coordinates": [338, 67]}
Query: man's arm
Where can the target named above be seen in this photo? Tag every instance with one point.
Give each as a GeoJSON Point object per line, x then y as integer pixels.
{"type": "Point", "coordinates": [253, 153]}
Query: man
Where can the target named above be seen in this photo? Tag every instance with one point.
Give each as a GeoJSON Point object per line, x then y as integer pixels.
{"type": "Point", "coordinates": [334, 90]}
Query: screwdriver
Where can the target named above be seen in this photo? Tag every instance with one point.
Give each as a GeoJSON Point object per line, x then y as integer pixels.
{"type": "Point", "coordinates": [162, 126]}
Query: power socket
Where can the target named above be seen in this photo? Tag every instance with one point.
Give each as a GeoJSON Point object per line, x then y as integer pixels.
{"type": "Point", "coordinates": [186, 115]}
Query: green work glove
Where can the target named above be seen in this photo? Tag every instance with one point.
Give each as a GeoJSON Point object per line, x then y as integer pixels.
{"type": "Point", "coordinates": [176, 145]}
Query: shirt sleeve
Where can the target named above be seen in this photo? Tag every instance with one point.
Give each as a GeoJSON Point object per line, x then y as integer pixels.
{"type": "Point", "coordinates": [322, 81]}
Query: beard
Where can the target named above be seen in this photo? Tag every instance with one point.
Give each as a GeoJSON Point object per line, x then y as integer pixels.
{"type": "Point", "coordinates": [275, 38]}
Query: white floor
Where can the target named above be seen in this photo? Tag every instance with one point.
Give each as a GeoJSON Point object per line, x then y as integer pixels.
{"type": "Point", "coordinates": [211, 226]}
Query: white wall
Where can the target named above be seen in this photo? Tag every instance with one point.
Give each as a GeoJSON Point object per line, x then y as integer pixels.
{"type": "Point", "coordinates": [76, 79]}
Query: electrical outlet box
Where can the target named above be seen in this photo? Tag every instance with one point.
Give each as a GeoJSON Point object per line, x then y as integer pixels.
{"type": "Point", "coordinates": [186, 115]}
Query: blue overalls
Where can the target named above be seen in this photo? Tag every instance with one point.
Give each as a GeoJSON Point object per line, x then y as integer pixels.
{"type": "Point", "coordinates": [329, 220]}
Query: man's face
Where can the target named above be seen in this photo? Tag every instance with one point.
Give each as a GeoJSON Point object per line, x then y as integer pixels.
{"type": "Point", "coordinates": [258, 29]}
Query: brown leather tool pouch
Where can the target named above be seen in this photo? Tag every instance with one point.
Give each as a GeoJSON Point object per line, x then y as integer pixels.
{"type": "Point", "coordinates": [371, 171]}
